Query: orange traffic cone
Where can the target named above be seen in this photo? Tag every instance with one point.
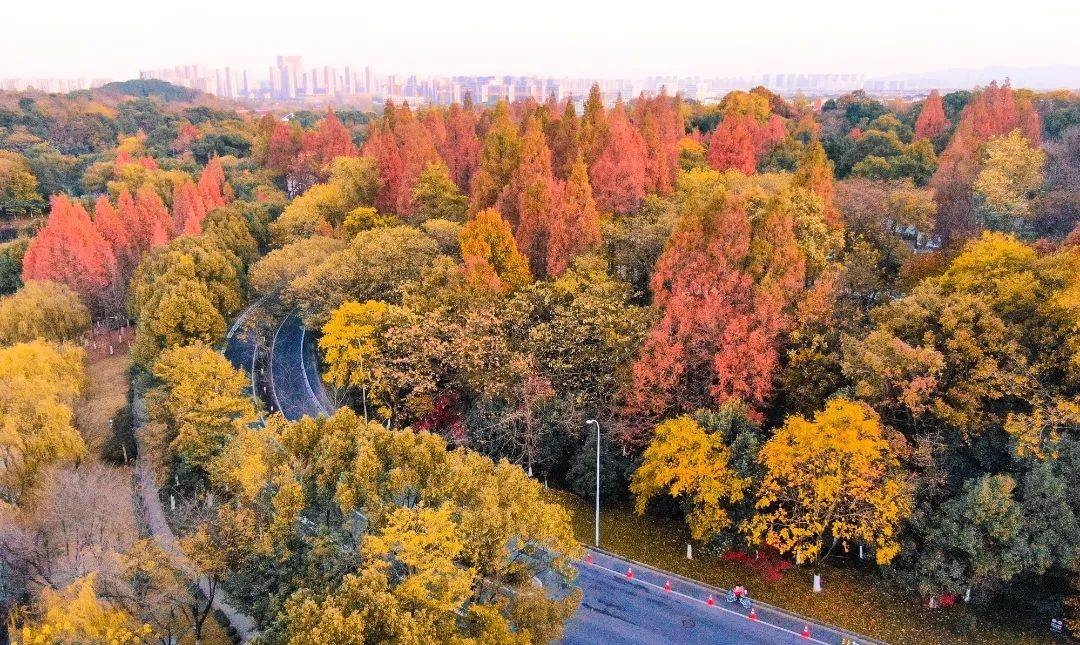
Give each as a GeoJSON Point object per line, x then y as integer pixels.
{"type": "Point", "coordinates": [629, 573]}
{"type": "Point", "coordinates": [710, 602]}
{"type": "Point", "coordinates": [753, 614]}
{"type": "Point", "coordinates": [806, 631]}
{"type": "Point", "coordinates": [588, 558]}
{"type": "Point", "coordinates": [667, 585]}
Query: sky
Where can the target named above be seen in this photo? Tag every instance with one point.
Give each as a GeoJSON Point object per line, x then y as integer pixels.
{"type": "Point", "coordinates": [576, 38]}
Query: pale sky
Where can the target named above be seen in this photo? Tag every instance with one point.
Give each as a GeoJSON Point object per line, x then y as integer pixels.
{"type": "Point", "coordinates": [579, 38]}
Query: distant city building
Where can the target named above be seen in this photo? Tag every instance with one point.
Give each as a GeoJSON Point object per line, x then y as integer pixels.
{"type": "Point", "coordinates": [288, 80]}
{"type": "Point", "coordinates": [51, 85]}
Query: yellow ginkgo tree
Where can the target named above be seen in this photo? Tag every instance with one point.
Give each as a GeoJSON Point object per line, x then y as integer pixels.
{"type": "Point", "coordinates": [76, 614]}
{"type": "Point", "coordinates": [350, 345]}
{"type": "Point", "coordinates": [832, 478]}
{"type": "Point", "coordinates": [38, 384]}
{"type": "Point", "coordinates": [689, 463]}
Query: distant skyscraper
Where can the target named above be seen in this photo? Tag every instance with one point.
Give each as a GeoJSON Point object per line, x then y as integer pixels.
{"type": "Point", "coordinates": [291, 71]}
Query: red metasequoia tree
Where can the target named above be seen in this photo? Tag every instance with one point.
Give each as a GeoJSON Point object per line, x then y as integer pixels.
{"type": "Point", "coordinates": [767, 136]}
{"type": "Point", "coordinates": [931, 122]}
{"type": "Point", "coordinates": [416, 150]}
{"type": "Point", "coordinates": [282, 148]}
{"type": "Point", "coordinates": [117, 233]}
{"type": "Point", "coordinates": [538, 197]}
{"type": "Point", "coordinates": [717, 336]}
{"type": "Point", "coordinates": [123, 158]}
{"type": "Point", "coordinates": [594, 127]}
{"type": "Point", "coordinates": [331, 140]}
{"type": "Point", "coordinates": [70, 250]}
{"type": "Point", "coordinates": [576, 227]}
{"type": "Point", "coordinates": [212, 186]}
{"type": "Point", "coordinates": [185, 138]}
{"type": "Point", "coordinates": [618, 175]}
{"type": "Point", "coordinates": [150, 222]}
{"type": "Point", "coordinates": [731, 146]}
{"type": "Point", "coordinates": [188, 209]}
{"type": "Point", "coordinates": [661, 128]}
{"type": "Point", "coordinates": [435, 125]}
{"type": "Point", "coordinates": [402, 149]}
{"type": "Point", "coordinates": [461, 148]}
{"type": "Point", "coordinates": [382, 147]}
{"type": "Point", "coordinates": [563, 141]}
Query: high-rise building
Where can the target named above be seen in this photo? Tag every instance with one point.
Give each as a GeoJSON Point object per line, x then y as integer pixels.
{"type": "Point", "coordinates": [291, 71]}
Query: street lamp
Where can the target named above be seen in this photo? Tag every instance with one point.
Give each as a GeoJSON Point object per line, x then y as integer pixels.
{"type": "Point", "coordinates": [597, 424]}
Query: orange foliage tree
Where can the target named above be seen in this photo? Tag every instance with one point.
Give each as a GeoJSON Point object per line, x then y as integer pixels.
{"type": "Point", "coordinates": [576, 229]}
{"type": "Point", "coordinates": [492, 259]}
{"type": "Point", "coordinates": [618, 175]}
{"type": "Point", "coordinates": [931, 122]}
{"type": "Point", "coordinates": [717, 336]}
{"type": "Point", "coordinates": [731, 146]}
{"type": "Point", "coordinates": [70, 250]}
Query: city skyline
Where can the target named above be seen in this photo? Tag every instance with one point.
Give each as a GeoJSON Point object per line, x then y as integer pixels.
{"type": "Point", "coordinates": [291, 79]}
{"type": "Point", "coordinates": [296, 78]}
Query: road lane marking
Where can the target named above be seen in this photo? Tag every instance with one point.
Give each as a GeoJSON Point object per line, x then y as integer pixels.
{"type": "Point", "coordinates": [303, 368]}
{"type": "Point", "coordinates": [273, 352]}
{"type": "Point", "coordinates": [699, 600]}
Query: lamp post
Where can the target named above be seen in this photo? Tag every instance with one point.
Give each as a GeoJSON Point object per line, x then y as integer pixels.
{"type": "Point", "coordinates": [597, 424]}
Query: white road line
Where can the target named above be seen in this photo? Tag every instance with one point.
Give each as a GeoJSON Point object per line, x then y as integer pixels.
{"type": "Point", "coordinates": [303, 369]}
{"type": "Point", "coordinates": [717, 606]}
{"type": "Point", "coordinates": [273, 386]}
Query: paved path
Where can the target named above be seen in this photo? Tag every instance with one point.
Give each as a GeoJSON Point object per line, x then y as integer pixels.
{"type": "Point", "coordinates": [154, 513]}
{"type": "Point", "coordinates": [613, 609]}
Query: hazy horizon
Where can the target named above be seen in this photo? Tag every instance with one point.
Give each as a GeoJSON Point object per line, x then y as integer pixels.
{"type": "Point", "coordinates": [572, 39]}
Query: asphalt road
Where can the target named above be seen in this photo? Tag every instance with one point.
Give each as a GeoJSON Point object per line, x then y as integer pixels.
{"type": "Point", "coordinates": [290, 375]}
{"type": "Point", "coordinates": [618, 609]}
{"type": "Point", "coordinates": [614, 608]}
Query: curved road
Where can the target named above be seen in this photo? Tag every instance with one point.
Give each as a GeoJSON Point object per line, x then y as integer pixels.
{"type": "Point", "coordinates": [614, 608]}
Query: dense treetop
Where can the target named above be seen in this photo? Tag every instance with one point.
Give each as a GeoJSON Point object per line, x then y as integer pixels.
{"type": "Point", "coordinates": [803, 329]}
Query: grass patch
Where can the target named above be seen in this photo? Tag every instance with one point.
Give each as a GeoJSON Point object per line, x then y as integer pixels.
{"type": "Point", "coordinates": [855, 596]}
{"type": "Point", "coordinates": [106, 396]}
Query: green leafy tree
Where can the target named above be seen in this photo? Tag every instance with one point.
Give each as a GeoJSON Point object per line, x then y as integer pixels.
{"type": "Point", "coordinates": [377, 265]}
